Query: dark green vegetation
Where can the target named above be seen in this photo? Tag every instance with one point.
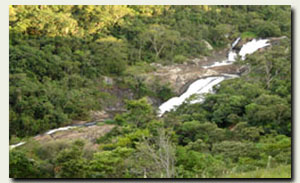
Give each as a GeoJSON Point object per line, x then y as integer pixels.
{"type": "Point", "coordinates": [59, 56]}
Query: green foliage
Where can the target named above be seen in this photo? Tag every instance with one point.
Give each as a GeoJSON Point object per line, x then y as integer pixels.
{"type": "Point", "coordinates": [164, 92]}
{"type": "Point", "coordinates": [198, 145]}
{"type": "Point", "coordinates": [269, 111]}
{"type": "Point", "coordinates": [233, 150]}
{"type": "Point", "coordinates": [219, 34]}
{"type": "Point", "coordinates": [70, 162]}
{"type": "Point", "coordinates": [160, 38]}
{"type": "Point", "coordinates": [20, 166]}
{"type": "Point", "coordinates": [246, 35]}
{"type": "Point", "coordinates": [42, 20]}
{"type": "Point", "coordinates": [67, 46]}
{"type": "Point", "coordinates": [156, 154]}
{"type": "Point", "coordinates": [265, 28]}
{"type": "Point", "coordinates": [36, 107]}
{"type": "Point", "coordinates": [139, 112]}
{"type": "Point", "coordinates": [179, 59]}
{"type": "Point", "coordinates": [108, 136]}
{"type": "Point", "coordinates": [129, 140]}
{"type": "Point", "coordinates": [109, 55]}
{"type": "Point", "coordinates": [244, 131]}
{"type": "Point", "coordinates": [139, 68]}
{"type": "Point", "coordinates": [193, 164]}
{"type": "Point", "coordinates": [50, 150]}
{"type": "Point", "coordinates": [152, 89]}
{"type": "Point", "coordinates": [108, 164]}
{"type": "Point", "coordinates": [225, 106]}
{"type": "Point", "coordinates": [208, 132]}
{"type": "Point", "coordinates": [278, 147]}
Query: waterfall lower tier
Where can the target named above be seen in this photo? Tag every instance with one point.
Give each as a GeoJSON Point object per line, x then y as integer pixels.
{"type": "Point", "coordinates": [200, 86]}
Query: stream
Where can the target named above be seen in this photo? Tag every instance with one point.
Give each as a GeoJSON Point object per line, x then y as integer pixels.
{"type": "Point", "coordinates": [199, 87]}
{"type": "Point", "coordinates": [57, 130]}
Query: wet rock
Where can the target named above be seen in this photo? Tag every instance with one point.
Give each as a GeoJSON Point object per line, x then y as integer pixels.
{"type": "Point", "coordinates": [228, 69]}
{"type": "Point", "coordinates": [197, 61]}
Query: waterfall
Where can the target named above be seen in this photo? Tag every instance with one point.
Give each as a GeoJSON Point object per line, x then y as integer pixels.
{"type": "Point", "coordinates": [202, 86]}
{"type": "Point", "coordinates": [198, 87]}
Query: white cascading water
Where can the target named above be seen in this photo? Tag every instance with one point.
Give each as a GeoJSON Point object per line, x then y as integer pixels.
{"type": "Point", "coordinates": [247, 48]}
{"type": "Point", "coordinates": [199, 87]}
{"type": "Point", "coordinates": [235, 42]}
{"type": "Point", "coordinates": [252, 47]}
{"type": "Point", "coordinates": [59, 129]}
{"type": "Point", "coordinates": [203, 86]}
{"type": "Point", "coordinates": [17, 145]}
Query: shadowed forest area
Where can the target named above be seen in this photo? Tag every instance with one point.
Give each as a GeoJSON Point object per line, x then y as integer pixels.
{"type": "Point", "coordinates": [71, 64]}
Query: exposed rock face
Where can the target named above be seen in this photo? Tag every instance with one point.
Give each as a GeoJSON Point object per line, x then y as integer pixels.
{"type": "Point", "coordinates": [228, 69]}
{"type": "Point", "coordinates": [99, 115]}
{"type": "Point", "coordinates": [179, 76]}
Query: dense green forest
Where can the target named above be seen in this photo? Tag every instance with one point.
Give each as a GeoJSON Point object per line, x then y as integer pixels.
{"type": "Point", "coordinates": [59, 57]}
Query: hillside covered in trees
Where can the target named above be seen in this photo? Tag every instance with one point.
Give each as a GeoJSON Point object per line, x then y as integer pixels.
{"type": "Point", "coordinates": [67, 63]}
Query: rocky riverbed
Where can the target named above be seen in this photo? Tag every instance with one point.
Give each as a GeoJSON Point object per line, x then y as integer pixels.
{"type": "Point", "coordinates": [179, 76]}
